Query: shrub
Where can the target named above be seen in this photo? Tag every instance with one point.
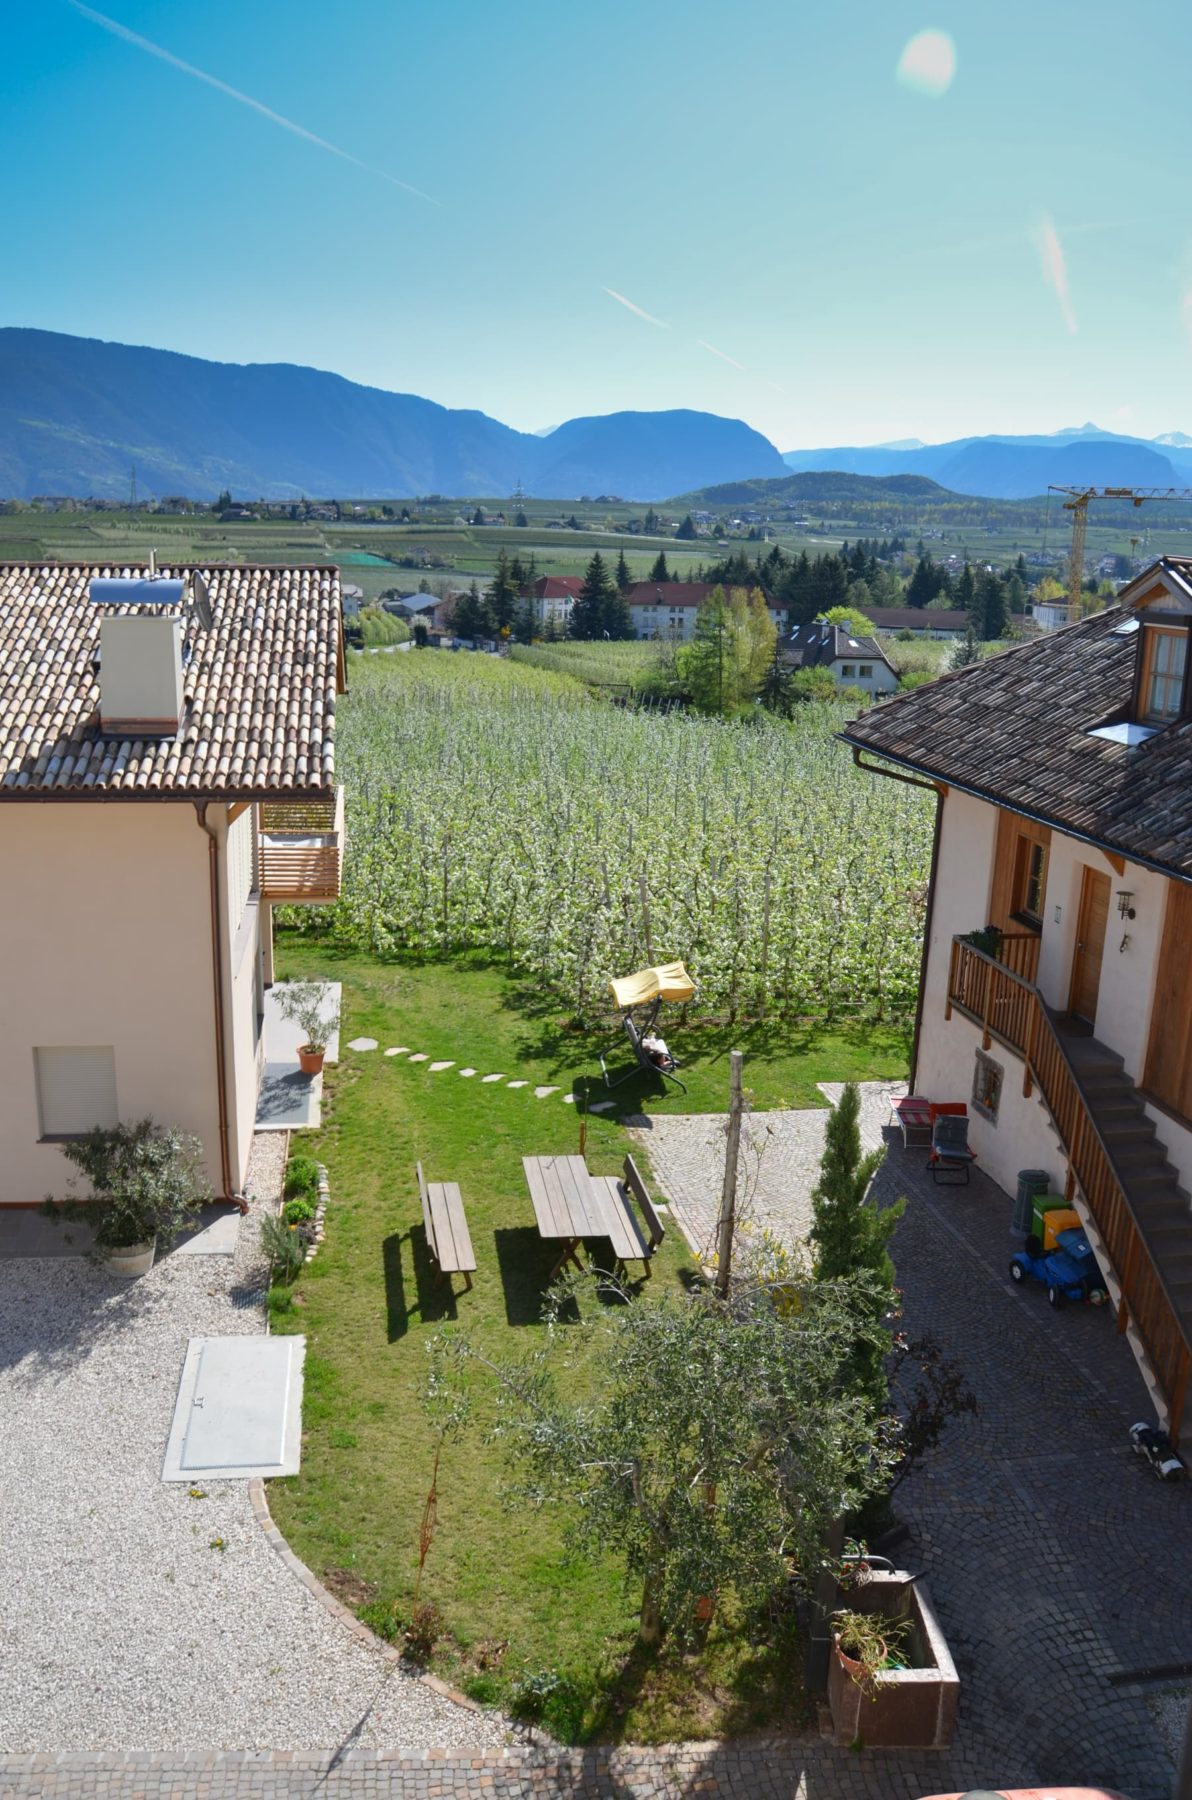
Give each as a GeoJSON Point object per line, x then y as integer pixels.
{"type": "Point", "coordinates": [915, 678]}
{"type": "Point", "coordinates": [146, 1181]}
{"type": "Point", "coordinates": [485, 1690]}
{"type": "Point", "coordinates": [423, 1632]}
{"type": "Point", "coordinates": [556, 1701]}
{"type": "Point", "coordinates": [302, 1178]}
{"type": "Point", "coordinates": [298, 1211]}
{"type": "Point", "coordinates": [284, 1246]}
{"type": "Point", "coordinates": [280, 1300]}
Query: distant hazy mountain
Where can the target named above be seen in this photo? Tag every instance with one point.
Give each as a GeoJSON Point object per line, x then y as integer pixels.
{"type": "Point", "coordinates": [1013, 468]}
{"type": "Point", "coordinates": [76, 414]}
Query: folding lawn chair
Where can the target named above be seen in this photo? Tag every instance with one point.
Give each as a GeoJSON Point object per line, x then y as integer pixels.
{"type": "Point", "coordinates": [950, 1151]}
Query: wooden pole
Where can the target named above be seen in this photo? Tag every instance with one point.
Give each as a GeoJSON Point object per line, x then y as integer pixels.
{"type": "Point", "coordinates": [728, 1198]}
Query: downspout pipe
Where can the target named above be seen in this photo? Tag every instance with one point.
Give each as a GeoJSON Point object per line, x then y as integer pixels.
{"type": "Point", "coordinates": [936, 788]}
{"type": "Point", "coordinates": [217, 968]}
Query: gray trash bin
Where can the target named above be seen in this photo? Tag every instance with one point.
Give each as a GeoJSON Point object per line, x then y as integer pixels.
{"type": "Point", "coordinates": [1030, 1183]}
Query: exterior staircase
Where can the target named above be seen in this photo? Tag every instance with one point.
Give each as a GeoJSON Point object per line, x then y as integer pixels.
{"type": "Point", "coordinates": [1162, 1209]}
{"type": "Point", "coordinates": [1138, 1218]}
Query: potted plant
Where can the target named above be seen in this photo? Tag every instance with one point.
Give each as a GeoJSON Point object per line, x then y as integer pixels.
{"type": "Point", "coordinates": [304, 1003]}
{"type": "Point", "coordinates": [867, 1643]}
{"type": "Point", "coordinates": [146, 1182]}
{"type": "Point", "coordinates": [987, 939]}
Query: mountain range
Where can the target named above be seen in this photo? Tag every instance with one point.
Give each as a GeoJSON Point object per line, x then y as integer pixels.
{"type": "Point", "coordinates": [77, 414]}
{"type": "Point", "coordinates": [1015, 468]}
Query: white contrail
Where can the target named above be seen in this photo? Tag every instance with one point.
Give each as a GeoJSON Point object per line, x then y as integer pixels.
{"type": "Point", "coordinates": [639, 310]}
{"type": "Point", "coordinates": [266, 112]}
{"type": "Point", "coordinates": [724, 357]}
{"type": "Point", "coordinates": [1055, 267]}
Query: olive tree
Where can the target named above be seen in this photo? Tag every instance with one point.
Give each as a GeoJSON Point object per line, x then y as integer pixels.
{"type": "Point", "coordinates": [711, 1442]}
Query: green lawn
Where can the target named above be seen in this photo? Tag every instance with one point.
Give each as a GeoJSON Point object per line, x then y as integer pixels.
{"type": "Point", "coordinates": [368, 1306]}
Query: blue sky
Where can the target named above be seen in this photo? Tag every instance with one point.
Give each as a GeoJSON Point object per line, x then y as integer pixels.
{"type": "Point", "coordinates": [820, 248]}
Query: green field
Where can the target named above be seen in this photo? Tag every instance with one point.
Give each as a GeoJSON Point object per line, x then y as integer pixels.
{"type": "Point", "coordinates": [434, 542]}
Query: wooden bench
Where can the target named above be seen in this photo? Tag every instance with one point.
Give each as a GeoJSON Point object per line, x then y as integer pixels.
{"type": "Point", "coordinates": [446, 1228]}
{"type": "Point", "coordinates": [630, 1242]}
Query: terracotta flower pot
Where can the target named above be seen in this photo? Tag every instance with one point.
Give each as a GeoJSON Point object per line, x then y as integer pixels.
{"type": "Point", "coordinates": [852, 1668]}
{"type": "Point", "coordinates": [310, 1061]}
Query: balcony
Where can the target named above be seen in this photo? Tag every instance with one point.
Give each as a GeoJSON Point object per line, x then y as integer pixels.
{"type": "Point", "coordinates": [301, 850]}
{"type": "Point", "coordinates": [1130, 1215]}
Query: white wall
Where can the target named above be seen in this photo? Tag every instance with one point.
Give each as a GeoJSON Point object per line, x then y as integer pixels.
{"type": "Point", "coordinates": [241, 926]}
{"type": "Point", "coordinates": [1124, 1002]}
{"type": "Point", "coordinates": [880, 680]}
{"type": "Point", "coordinates": [106, 920]}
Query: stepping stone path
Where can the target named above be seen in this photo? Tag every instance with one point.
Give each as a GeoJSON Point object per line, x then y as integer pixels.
{"type": "Point", "coordinates": [602, 1106]}
{"type": "Point", "coordinates": [398, 1050]}
{"type": "Point", "coordinates": [492, 1078]}
{"type": "Point", "coordinates": [517, 1084]}
{"type": "Point", "coordinates": [466, 1072]}
{"type": "Point", "coordinates": [363, 1044]}
{"type": "Point", "coordinates": [568, 1099]}
{"type": "Point", "coordinates": [419, 1056]}
{"type": "Point", "coordinates": [541, 1092]}
{"type": "Point", "coordinates": [435, 1067]}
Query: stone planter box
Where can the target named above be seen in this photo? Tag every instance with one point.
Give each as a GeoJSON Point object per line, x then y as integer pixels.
{"type": "Point", "coordinates": [911, 1708]}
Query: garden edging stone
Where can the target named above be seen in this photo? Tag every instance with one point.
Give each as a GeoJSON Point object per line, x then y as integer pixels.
{"type": "Point", "coordinates": [346, 1617]}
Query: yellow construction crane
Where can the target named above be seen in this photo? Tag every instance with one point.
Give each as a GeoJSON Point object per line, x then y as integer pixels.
{"type": "Point", "coordinates": [1078, 505]}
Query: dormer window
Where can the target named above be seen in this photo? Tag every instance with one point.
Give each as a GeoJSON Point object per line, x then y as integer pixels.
{"type": "Point", "coordinates": [1164, 667]}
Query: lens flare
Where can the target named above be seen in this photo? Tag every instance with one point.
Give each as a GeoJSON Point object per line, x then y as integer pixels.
{"type": "Point", "coordinates": [928, 63]}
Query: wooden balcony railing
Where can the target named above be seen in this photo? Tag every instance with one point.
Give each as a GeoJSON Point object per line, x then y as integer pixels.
{"type": "Point", "coordinates": [301, 850]}
{"type": "Point", "coordinates": [1011, 1009]}
{"type": "Point", "coordinates": [1020, 952]}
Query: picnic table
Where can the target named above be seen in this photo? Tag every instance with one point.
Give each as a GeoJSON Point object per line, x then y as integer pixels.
{"type": "Point", "coordinates": [570, 1205]}
{"type": "Point", "coordinates": [567, 1204]}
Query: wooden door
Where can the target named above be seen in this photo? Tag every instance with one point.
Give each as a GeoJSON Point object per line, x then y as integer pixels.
{"type": "Point", "coordinates": [1090, 944]}
{"type": "Point", "coordinates": [1169, 1057]}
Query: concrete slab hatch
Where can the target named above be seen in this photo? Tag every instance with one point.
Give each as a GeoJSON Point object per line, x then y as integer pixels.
{"type": "Point", "coordinates": [239, 1409]}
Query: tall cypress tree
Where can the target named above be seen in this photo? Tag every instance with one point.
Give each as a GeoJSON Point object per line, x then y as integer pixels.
{"type": "Point", "coordinates": [850, 1234]}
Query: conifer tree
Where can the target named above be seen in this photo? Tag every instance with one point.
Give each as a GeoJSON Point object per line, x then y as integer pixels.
{"type": "Point", "coordinates": [660, 572]}
{"type": "Point", "coordinates": [850, 1236]}
{"type": "Point", "coordinates": [589, 615]}
{"type": "Point", "coordinates": [623, 577]}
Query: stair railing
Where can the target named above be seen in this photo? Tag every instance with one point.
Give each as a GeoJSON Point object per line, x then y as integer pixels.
{"type": "Point", "coordinates": [1009, 1007]}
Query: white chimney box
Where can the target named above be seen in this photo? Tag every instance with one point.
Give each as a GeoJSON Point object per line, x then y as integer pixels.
{"type": "Point", "coordinates": [140, 674]}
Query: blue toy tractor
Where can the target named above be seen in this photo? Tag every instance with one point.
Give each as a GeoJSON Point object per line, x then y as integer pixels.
{"type": "Point", "coordinates": [1069, 1272]}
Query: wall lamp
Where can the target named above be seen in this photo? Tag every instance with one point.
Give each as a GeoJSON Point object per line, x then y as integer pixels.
{"type": "Point", "coordinates": [1125, 903]}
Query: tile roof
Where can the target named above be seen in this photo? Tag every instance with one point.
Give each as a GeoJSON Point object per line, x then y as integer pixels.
{"type": "Point", "coordinates": [260, 687]}
{"type": "Point", "coordinates": [556, 587]}
{"type": "Point", "coordinates": [669, 593]}
{"type": "Point", "coordinates": [916, 618]}
{"type": "Point", "coordinates": [815, 645]}
{"type": "Point", "coordinates": [1016, 731]}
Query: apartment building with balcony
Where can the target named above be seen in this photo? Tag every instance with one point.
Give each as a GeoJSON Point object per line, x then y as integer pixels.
{"type": "Point", "coordinates": [167, 776]}
{"type": "Point", "coordinates": [1062, 771]}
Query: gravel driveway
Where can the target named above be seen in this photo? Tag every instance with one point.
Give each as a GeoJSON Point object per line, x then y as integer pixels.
{"type": "Point", "coordinates": [126, 1628]}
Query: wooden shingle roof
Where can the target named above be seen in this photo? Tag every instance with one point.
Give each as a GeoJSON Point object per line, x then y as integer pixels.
{"type": "Point", "coordinates": [260, 688]}
{"type": "Point", "coordinates": [1017, 731]}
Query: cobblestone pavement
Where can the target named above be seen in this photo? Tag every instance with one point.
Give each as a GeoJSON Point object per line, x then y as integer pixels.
{"type": "Point", "coordinates": [749, 1770]}
{"type": "Point", "coordinates": [779, 1164]}
{"type": "Point", "coordinates": [1060, 1568]}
